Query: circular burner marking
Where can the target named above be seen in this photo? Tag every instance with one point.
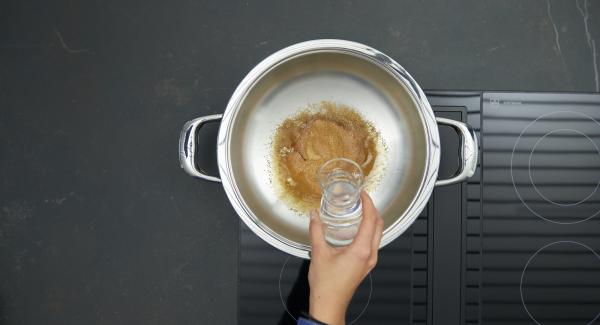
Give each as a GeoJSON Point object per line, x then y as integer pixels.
{"type": "Point", "coordinates": [531, 178]}
{"type": "Point", "coordinates": [529, 168]}
{"type": "Point", "coordinates": [533, 257]}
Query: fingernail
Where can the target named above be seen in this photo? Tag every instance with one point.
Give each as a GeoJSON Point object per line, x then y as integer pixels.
{"type": "Point", "coordinates": [313, 214]}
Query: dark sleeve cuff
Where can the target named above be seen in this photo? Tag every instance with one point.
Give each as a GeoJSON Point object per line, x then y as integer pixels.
{"type": "Point", "coordinates": [306, 319]}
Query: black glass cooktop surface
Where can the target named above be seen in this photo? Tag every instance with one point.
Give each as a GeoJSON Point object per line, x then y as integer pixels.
{"type": "Point", "coordinates": [518, 243]}
{"type": "Point", "coordinates": [541, 230]}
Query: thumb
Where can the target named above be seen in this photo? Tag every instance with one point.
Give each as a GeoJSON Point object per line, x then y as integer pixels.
{"type": "Point", "coordinates": [317, 236]}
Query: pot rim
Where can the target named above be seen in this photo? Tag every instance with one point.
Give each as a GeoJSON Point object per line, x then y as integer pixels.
{"type": "Point", "coordinates": [420, 199]}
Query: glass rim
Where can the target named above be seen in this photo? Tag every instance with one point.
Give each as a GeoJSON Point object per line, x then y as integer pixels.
{"type": "Point", "coordinates": [321, 171]}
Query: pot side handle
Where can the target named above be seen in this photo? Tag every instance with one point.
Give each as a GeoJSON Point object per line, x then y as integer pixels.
{"type": "Point", "coordinates": [187, 146]}
{"type": "Point", "coordinates": [468, 152]}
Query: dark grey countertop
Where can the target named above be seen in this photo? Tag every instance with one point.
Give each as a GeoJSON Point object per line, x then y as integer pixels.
{"type": "Point", "coordinates": [98, 224]}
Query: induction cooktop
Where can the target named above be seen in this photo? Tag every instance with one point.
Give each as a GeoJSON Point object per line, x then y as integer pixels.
{"type": "Point", "coordinates": [518, 243]}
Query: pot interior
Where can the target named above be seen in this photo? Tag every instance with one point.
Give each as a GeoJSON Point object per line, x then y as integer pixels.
{"type": "Point", "coordinates": [310, 78]}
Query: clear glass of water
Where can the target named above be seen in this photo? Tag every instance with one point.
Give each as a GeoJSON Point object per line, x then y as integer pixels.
{"type": "Point", "coordinates": [341, 182]}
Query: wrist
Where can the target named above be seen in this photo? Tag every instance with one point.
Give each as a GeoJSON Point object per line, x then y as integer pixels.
{"type": "Point", "coordinates": [328, 309]}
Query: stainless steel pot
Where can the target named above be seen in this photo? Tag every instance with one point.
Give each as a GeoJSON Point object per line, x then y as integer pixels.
{"type": "Point", "coordinates": [339, 71]}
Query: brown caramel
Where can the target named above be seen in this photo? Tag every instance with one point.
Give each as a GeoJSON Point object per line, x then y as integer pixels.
{"type": "Point", "coordinates": [304, 142]}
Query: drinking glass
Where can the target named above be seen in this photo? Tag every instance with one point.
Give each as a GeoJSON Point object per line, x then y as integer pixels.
{"type": "Point", "coordinates": [341, 182]}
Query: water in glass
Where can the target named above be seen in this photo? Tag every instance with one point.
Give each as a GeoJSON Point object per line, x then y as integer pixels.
{"type": "Point", "coordinates": [341, 208]}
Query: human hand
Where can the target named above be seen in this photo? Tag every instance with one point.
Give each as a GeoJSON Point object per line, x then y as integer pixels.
{"type": "Point", "coordinates": [336, 272]}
